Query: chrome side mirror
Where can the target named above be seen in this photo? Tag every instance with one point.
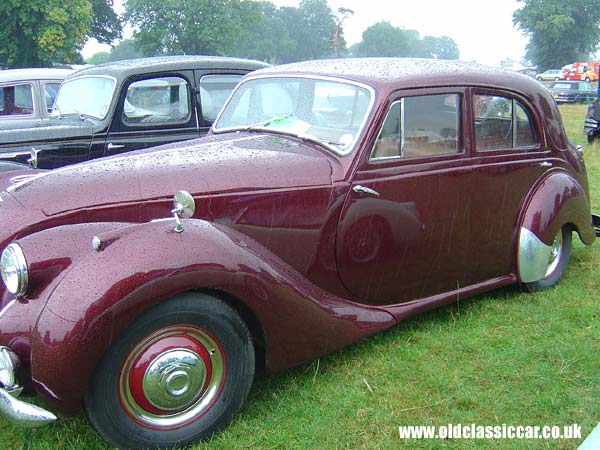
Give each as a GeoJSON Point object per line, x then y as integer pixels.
{"type": "Point", "coordinates": [183, 207]}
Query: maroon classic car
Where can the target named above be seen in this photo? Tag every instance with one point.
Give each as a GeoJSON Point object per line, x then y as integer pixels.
{"type": "Point", "coordinates": [331, 200]}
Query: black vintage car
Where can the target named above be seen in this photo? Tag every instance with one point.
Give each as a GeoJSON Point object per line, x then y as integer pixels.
{"type": "Point", "coordinates": [122, 106]}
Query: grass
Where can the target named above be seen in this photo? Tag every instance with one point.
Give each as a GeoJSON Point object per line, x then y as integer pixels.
{"type": "Point", "coordinates": [501, 358]}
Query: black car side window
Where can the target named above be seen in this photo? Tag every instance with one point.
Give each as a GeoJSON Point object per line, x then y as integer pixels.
{"type": "Point", "coordinates": [157, 101]}
{"type": "Point", "coordinates": [421, 126]}
{"type": "Point", "coordinates": [502, 123]}
{"type": "Point", "coordinates": [214, 91]}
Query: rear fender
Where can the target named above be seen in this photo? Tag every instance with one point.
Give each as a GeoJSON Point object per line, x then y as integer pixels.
{"type": "Point", "coordinates": [143, 264]}
{"type": "Point", "coordinates": [556, 201]}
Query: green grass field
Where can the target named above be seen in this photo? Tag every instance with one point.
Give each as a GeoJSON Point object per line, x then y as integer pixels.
{"type": "Point", "coordinates": [501, 358]}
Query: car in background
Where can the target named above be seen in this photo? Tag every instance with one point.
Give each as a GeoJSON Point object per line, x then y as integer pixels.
{"type": "Point", "coordinates": [331, 200]}
{"type": "Point", "coordinates": [572, 91]}
{"type": "Point", "coordinates": [27, 95]}
{"type": "Point", "coordinates": [122, 106]}
{"type": "Point", "coordinates": [582, 71]}
{"type": "Point", "coordinates": [550, 75]}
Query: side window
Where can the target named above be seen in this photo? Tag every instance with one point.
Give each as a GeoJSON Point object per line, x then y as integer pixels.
{"type": "Point", "coordinates": [50, 91]}
{"type": "Point", "coordinates": [420, 126]}
{"type": "Point", "coordinates": [157, 101]}
{"type": "Point", "coordinates": [17, 100]}
{"type": "Point", "coordinates": [214, 91]}
{"type": "Point", "coordinates": [502, 123]}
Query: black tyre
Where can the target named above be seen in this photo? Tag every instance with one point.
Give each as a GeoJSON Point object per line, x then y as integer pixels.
{"type": "Point", "coordinates": [179, 373]}
{"type": "Point", "coordinates": [558, 261]}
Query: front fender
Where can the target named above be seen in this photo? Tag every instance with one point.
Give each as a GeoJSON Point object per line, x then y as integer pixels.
{"type": "Point", "coordinates": [141, 265]}
{"type": "Point", "coordinates": [556, 201]}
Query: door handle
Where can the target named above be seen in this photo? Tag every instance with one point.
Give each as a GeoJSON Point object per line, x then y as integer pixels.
{"type": "Point", "coordinates": [546, 164]}
{"type": "Point", "coordinates": [112, 146]}
{"type": "Point", "coordinates": [365, 190]}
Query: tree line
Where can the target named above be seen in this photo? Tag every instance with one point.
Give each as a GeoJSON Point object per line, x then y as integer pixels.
{"type": "Point", "coordinates": [39, 33]}
{"type": "Point", "coordinates": [42, 32]}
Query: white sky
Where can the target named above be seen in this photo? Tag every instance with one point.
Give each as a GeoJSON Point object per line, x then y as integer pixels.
{"type": "Point", "coordinates": [482, 29]}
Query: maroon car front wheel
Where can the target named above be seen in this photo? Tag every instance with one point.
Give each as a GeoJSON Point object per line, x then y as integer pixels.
{"type": "Point", "coordinates": [178, 374]}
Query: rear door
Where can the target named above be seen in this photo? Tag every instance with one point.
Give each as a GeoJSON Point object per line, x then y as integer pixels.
{"type": "Point", "coordinates": [508, 157]}
{"type": "Point", "coordinates": [404, 228]}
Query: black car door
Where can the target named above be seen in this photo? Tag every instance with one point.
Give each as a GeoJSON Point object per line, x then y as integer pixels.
{"type": "Point", "coordinates": [152, 110]}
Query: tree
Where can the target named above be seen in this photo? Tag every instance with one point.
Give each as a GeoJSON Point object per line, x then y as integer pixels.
{"type": "Point", "coordinates": [439, 48]}
{"type": "Point", "coordinates": [338, 41]}
{"type": "Point", "coordinates": [384, 39]}
{"type": "Point", "coordinates": [166, 27]}
{"type": "Point", "coordinates": [36, 33]}
{"type": "Point", "coordinates": [559, 32]}
{"type": "Point", "coordinates": [106, 25]}
{"type": "Point", "coordinates": [265, 36]}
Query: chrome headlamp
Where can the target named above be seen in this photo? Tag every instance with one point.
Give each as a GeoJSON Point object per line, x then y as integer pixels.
{"type": "Point", "coordinates": [13, 268]}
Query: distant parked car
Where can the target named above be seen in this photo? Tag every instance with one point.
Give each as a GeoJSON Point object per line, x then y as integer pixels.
{"type": "Point", "coordinates": [550, 75]}
{"type": "Point", "coordinates": [127, 105]}
{"type": "Point", "coordinates": [572, 91]}
{"type": "Point", "coordinates": [27, 95]}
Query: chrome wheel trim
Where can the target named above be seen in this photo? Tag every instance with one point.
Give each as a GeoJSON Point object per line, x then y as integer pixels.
{"type": "Point", "coordinates": [555, 255]}
{"type": "Point", "coordinates": [171, 387]}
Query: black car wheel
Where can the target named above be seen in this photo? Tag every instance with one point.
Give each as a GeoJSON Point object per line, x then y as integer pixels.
{"type": "Point", "coordinates": [179, 373]}
{"type": "Point", "coordinates": [559, 258]}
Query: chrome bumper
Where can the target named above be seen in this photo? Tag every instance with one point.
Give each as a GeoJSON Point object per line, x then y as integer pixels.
{"type": "Point", "coordinates": [14, 410]}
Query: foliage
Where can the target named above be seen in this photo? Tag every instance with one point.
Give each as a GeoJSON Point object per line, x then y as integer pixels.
{"type": "Point", "coordinates": [559, 31]}
{"type": "Point", "coordinates": [267, 37]}
{"type": "Point", "coordinates": [106, 25]}
{"type": "Point", "coordinates": [37, 33]}
{"type": "Point", "coordinates": [251, 29]}
{"type": "Point", "coordinates": [168, 27]}
{"type": "Point", "coordinates": [384, 39]}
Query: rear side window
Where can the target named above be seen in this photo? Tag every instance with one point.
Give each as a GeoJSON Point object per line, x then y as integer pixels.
{"type": "Point", "coordinates": [16, 100]}
{"type": "Point", "coordinates": [214, 91]}
{"type": "Point", "coordinates": [502, 123]}
{"type": "Point", "coordinates": [157, 101]}
{"type": "Point", "coordinates": [420, 126]}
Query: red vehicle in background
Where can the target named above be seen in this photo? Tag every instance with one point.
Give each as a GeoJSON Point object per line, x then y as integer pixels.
{"type": "Point", "coordinates": [582, 71]}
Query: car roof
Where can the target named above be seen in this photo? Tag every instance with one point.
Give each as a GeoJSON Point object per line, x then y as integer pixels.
{"type": "Point", "coordinates": [33, 74]}
{"type": "Point", "coordinates": [126, 68]}
{"type": "Point", "coordinates": [410, 72]}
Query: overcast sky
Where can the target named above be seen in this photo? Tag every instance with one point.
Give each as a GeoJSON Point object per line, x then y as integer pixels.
{"type": "Point", "coordinates": [482, 29]}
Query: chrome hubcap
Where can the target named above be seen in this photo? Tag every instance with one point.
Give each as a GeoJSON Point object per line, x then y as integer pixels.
{"type": "Point", "coordinates": [555, 254]}
{"type": "Point", "coordinates": [172, 377]}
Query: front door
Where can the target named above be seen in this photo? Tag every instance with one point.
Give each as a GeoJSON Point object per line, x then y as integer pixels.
{"type": "Point", "coordinates": [403, 231]}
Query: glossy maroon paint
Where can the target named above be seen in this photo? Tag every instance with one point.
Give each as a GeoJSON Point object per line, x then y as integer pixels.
{"type": "Point", "coordinates": [278, 231]}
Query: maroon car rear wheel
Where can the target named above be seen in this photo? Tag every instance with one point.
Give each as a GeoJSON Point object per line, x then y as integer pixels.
{"type": "Point", "coordinates": [175, 376]}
